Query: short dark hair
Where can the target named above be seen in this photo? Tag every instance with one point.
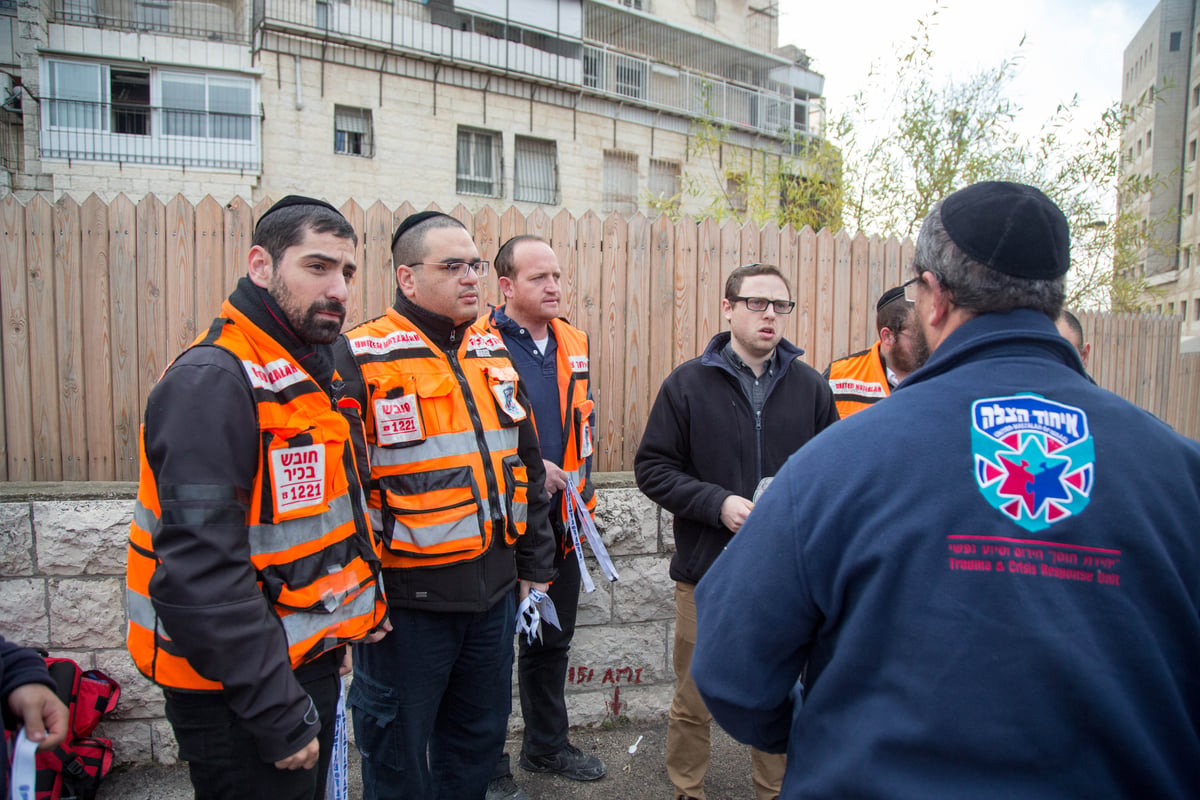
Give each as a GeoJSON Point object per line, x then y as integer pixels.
{"type": "Point", "coordinates": [409, 247]}
{"type": "Point", "coordinates": [505, 266]}
{"type": "Point", "coordinates": [1072, 323]}
{"type": "Point", "coordinates": [733, 284]}
{"type": "Point", "coordinates": [975, 287]}
{"type": "Point", "coordinates": [893, 315]}
{"type": "Point", "coordinates": [285, 227]}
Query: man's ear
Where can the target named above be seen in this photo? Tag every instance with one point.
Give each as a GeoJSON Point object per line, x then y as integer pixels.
{"type": "Point", "coordinates": [727, 309]}
{"type": "Point", "coordinates": [406, 280]}
{"type": "Point", "coordinates": [506, 287]}
{"type": "Point", "coordinates": [940, 303]}
{"type": "Point", "coordinates": [887, 337]}
{"type": "Point", "coordinates": [261, 267]}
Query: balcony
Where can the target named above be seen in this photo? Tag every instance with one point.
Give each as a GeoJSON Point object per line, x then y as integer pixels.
{"type": "Point", "coordinates": [139, 134]}
{"type": "Point", "coordinates": [212, 20]}
{"type": "Point", "coordinates": [591, 47]}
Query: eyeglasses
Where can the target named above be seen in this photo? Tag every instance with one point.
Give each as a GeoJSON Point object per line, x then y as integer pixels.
{"type": "Point", "coordinates": [761, 303]}
{"type": "Point", "coordinates": [456, 269]}
{"type": "Point", "coordinates": [910, 289]}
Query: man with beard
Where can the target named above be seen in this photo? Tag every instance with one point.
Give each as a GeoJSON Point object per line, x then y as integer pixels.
{"type": "Point", "coordinates": [552, 358]}
{"type": "Point", "coordinates": [721, 427]}
{"type": "Point", "coordinates": [1069, 326]}
{"type": "Point", "coordinates": [251, 564]}
{"type": "Point", "coordinates": [1007, 606]}
{"type": "Point", "coordinates": [868, 376]}
{"type": "Point", "coordinates": [458, 499]}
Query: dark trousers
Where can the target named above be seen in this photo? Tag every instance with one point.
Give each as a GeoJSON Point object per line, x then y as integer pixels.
{"type": "Point", "coordinates": [542, 669]}
{"type": "Point", "coordinates": [222, 755]}
{"type": "Point", "coordinates": [431, 702]}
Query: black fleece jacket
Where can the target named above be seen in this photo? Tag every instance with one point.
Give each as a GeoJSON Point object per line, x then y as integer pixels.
{"type": "Point", "coordinates": [703, 444]}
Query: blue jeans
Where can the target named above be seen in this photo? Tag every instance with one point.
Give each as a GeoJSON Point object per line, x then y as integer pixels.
{"type": "Point", "coordinates": [431, 702]}
{"type": "Point", "coordinates": [222, 754]}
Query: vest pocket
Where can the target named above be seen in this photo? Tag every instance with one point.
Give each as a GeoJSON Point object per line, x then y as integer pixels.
{"type": "Point", "coordinates": [516, 497]}
{"type": "Point", "coordinates": [432, 513]}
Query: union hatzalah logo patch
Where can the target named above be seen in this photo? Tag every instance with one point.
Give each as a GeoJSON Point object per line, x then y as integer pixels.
{"type": "Point", "coordinates": [1035, 460]}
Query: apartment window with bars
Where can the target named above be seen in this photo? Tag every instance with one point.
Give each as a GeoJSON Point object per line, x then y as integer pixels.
{"type": "Point", "coordinates": [535, 178]}
{"type": "Point", "coordinates": [735, 192]}
{"type": "Point", "coordinates": [706, 9]}
{"type": "Point", "coordinates": [664, 181]}
{"type": "Point", "coordinates": [631, 78]}
{"type": "Point", "coordinates": [479, 163]}
{"type": "Point", "coordinates": [353, 132]}
{"type": "Point", "coordinates": [618, 183]}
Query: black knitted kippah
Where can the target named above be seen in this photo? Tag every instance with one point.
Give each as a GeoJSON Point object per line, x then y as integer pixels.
{"type": "Point", "coordinates": [295, 200]}
{"type": "Point", "coordinates": [1009, 227]}
{"type": "Point", "coordinates": [412, 220]}
{"type": "Point", "coordinates": [895, 293]}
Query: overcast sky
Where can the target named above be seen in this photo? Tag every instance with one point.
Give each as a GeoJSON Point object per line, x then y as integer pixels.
{"type": "Point", "coordinates": [1071, 46]}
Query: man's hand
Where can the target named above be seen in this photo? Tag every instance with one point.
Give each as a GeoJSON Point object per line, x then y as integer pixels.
{"type": "Point", "coordinates": [556, 478]}
{"type": "Point", "coordinates": [525, 586]}
{"type": "Point", "coordinates": [734, 511]}
{"type": "Point", "coordinates": [304, 758]}
{"type": "Point", "coordinates": [42, 713]}
{"type": "Point", "coordinates": [376, 635]}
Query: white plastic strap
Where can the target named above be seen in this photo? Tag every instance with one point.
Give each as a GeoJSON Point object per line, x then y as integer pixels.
{"type": "Point", "coordinates": [534, 608]}
{"type": "Point", "coordinates": [23, 780]}
{"type": "Point", "coordinates": [578, 517]}
{"type": "Point", "coordinates": [337, 781]}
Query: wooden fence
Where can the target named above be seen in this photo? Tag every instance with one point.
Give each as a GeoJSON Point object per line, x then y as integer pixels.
{"type": "Point", "coordinates": [96, 298]}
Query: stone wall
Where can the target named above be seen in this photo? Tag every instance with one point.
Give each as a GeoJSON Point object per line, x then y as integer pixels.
{"type": "Point", "coordinates": [62, 579]}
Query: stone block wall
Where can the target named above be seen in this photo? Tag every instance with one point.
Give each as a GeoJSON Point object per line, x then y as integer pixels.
{"type": "Point", "coordinates": [62, 588]}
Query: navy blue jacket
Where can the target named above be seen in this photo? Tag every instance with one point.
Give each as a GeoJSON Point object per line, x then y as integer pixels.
{"type": "Point", "coordinates": [1002, 600]}
{"type": "Point", "coordinates": [702, 443]}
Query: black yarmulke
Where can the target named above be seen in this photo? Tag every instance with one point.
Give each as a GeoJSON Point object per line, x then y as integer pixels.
{"type": "Point", "coordinates": [1009, 227]}
{"type": "Point", "coordinates": [412, 220]}
{"type": "Point", "coordinates": [895, 293]}
{"type": "Point", "coordinates": [295, 200]}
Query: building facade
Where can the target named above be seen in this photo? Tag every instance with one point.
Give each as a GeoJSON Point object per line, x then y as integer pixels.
{"type": "Point", "coordinates": [1161, 88]}
{"type": "Point", "coordinates": [576, 104]}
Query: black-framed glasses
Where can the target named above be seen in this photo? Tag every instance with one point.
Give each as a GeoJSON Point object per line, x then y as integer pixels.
{"type": "Point", "coordinates": [456, 269]}
{"type": "Point", "coordinates": [910, 289]}
{"type": "Point", "coordinates": [761, 303]}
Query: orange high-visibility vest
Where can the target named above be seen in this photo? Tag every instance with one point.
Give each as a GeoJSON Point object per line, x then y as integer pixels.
{"type": "Point", "coordinates": [858, 380]}
{"type": "Point", "coordinates": [304, 503]}
{"type": "Point", "coordinates": [576, 407]}
{"type": "Point", "coordinates": [442, 434]}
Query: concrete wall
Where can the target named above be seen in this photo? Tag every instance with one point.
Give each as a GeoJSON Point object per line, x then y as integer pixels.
{"type": "Point", "coordinates": [62, 587]}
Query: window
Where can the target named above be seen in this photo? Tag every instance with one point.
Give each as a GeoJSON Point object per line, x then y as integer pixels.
{"type": "Point", "coordinates": [207, 106]}
{"type": "Point", "coordinates": [479, 164]}
{"type": "Point", "coordinates": [619, 183]}
{"type": "Point", "coordinates": [1196, 309]}
{"type": "Point", "coordinates": [536, 173]}
{"type": "Point", "coordinates": [631, 77]}
{"type": "Point", "coordinates": [634, 4]}
{"type": "Point", "coordinates": [353, 133]}
{"type": "Point", "coordinates": [1149, 138]}
{"type": "Point", "coordinates": [1176, 41]}
{"type": "Point", "coordinates": [593, 66]}
{"type": "Point", "coordinates": [1171, 309]}
{"type": "Point", "coordinates": [1188, 202]}
{"type": "Point", "coordinates": [1191, 151]}
{"type": "Point", "coordinates": [1196, 95]}
{"type": "Point", "coordinates": [1139, 146]}
{"type": "Point", "coordinates": [664, 181]}
{"type": "Point", "coordinates": [1183, 310]}
{"type": "Point", "coordinates": [706, 9]}
{"type": "Point", "coordinates": [103, 112]}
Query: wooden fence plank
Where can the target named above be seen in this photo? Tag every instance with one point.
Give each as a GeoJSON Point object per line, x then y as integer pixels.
{"type": "Point", "coordinates": [842, 299]}
{"type": "Point", "coordinates": [709, 286]}
{"type": "Point", "coordinates": [375, 272]}
{"type": "Point", "coordinates": [611, 397]}
{"type": "Point", "coordinates": [786, 261]}
{"type": "Point", "coordinates": [43, 359]}
{"type": "Point", "coordinates": [14, 319]}
{"type": "Point", "coordinates": [210, 260]}
{"type": "Point", "coordinates": [685, 300]}
{"type": "Point", "coordinates": [356, 301]}
{"type": "Point", "coordinates": [490, 232]}
{"type": "Point", "coordinates": [562, 241]}
{"type": "Point", "coordinates": [151, 335]}
{"type": "Point", "coordinates": [806, 295]}
{"type": "Point", "coordinates": [660, 304]}
{"type": "Point", "coordinates": [97, 341]}
{"type": "Point", "coordinates": [637, 338]}
{"type": "Point", "coordinates": [123, 299]}
{"type": "Point", "coordinates": [768, 244]}
{"type": "Point", "coordinates": [182, 324]}
{"type": "Point", "coordinates": [826, 293]}
{"type": "Point", "coordinates": [862, 323]}
{"type": "Point", "coordinates": [239, 237]}
{"type": "Point", "coordinates": [68, 309]}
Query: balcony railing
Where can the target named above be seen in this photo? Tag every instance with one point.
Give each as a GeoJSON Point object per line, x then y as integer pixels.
{"type": "Point", "coordinates": [213, 20]}
{"type": "Point", "coordinates": [93, 131]}
{"type": "Point", "coordinates": [554, 56]}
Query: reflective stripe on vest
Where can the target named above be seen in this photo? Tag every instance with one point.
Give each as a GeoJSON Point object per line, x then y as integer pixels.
{"type": "Point", "coordinates": [445, 445]}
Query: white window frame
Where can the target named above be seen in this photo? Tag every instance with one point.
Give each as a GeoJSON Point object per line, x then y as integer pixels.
{"type": "Point", "coordinates": [471, 175]}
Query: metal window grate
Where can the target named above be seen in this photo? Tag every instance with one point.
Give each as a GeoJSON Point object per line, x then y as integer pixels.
{"type": "Point", "coordinates": [619, 183]}
{"type": "Point", "coordinates": [480, 168]}
{"type": "Point", "coordinates": [665, 180]}
{"type": "Point", "coordinates": [353, 133]}
{"type": "Point", "coordinates": [536, 173]}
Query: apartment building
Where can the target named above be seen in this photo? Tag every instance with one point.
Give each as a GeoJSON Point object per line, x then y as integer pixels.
{"type": "Point", "coordinates": [1161, 85]}
{"type": "Point", "coordinates": [576, 104]}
